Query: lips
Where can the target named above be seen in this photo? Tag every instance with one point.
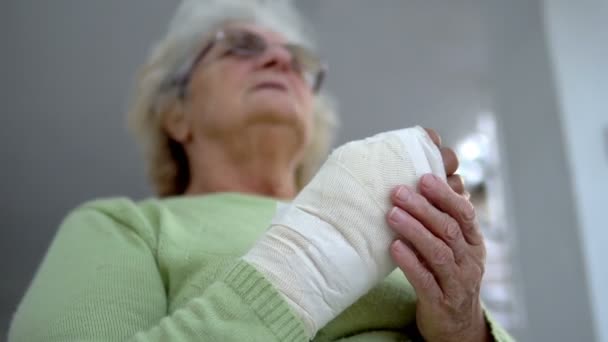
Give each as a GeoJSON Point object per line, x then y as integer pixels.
{"type": "Point", "coordinates": [271, 85]}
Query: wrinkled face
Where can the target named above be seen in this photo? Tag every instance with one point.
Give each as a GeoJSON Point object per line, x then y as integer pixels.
{"type": "Point", "coordinates": [231, 94]}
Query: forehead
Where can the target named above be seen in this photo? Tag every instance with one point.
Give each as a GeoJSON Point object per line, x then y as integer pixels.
{"type": "Point", "coordinates": [263, 31]}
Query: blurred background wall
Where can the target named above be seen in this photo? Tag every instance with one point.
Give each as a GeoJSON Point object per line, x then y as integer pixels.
{"type": "Point", "coordinates": [538, 68]}
{"type": "Point", "coordinates": [578, 39]}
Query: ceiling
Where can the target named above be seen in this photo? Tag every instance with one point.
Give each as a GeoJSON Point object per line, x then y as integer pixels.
{"type": "Point", "coordinates": [404, 63]}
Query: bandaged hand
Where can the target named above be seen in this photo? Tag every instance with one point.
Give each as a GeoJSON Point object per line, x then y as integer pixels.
{"type": "Point", "coordinates": [331, 245]}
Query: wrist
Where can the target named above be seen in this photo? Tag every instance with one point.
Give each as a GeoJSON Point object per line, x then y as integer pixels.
{"type": "Point", "coordinates": [479, 330]}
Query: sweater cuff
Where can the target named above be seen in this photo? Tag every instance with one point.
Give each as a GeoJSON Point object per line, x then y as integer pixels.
{"type": "Point", "coordinates": [266, 301]}
{"type": "Point", "coordinates": [499, 334]}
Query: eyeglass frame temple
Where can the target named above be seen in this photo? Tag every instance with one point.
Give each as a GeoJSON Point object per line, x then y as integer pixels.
{"type": "Point", "coordinates": [181, 82]}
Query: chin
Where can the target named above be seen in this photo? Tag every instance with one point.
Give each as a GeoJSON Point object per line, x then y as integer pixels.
{"type": "Point", "coordinates": [276, 110]}
{"type": "Point", "coordinates": [280, 113]}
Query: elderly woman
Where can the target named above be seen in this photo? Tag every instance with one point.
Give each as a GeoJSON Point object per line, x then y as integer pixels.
{"type": "Point", "coordinates": [230, 113]}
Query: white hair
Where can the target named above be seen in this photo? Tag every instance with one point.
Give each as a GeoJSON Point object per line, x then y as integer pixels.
{"type": "Point", "coordinates": [175, 52]}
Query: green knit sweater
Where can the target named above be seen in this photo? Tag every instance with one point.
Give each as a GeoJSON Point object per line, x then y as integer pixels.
{"type": "Point", "coordinates": [169, 270]}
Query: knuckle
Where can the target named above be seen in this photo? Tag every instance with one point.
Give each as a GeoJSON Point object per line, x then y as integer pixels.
{"type": "Point", "coordinates": [442, 255]}
{"type": "Point", "coordinates": [476, 272]}
{"type": "Point", "coordinates": [473, 276]}
{"type": "Point", "coordinates": [467, 213]}
{"type": "Point", "coordinates": [451, 229]}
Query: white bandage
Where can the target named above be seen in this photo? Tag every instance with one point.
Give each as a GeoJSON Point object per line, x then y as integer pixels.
{"type": "Point", "coordinates": [330, 246]}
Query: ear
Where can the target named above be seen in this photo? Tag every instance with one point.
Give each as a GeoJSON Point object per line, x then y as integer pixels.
{"type": "Point", "coordinates": [175, 123]}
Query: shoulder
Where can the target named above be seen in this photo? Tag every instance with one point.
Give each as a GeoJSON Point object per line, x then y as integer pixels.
{"type": "Point", "coordinates": [154, 218]}
{"type": "Point", "coordinates": [122, 210]}
{"type": "Point", "coordinates": [119, 215]}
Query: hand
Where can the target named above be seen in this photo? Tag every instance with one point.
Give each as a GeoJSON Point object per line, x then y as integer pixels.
{"type": "Point", "coordinates": [331, 217]}
{"type": "Point", "coordinates": [442, 253]}
{"type": "Point", "coordinates": [450, 162]}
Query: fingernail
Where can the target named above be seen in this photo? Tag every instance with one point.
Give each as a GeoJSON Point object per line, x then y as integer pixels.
{"type": "Point", "coordinates": [428, 180]}
{"type": "Point", "coordinates": [403, 194]}
{"type": "Point", "coordinates": [397, 215]}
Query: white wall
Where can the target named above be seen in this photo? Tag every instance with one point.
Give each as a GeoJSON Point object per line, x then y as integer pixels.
{"type": "Point", "coordinates": [542, 206]}
{"type": "Point", "coordinates": [578, 37]}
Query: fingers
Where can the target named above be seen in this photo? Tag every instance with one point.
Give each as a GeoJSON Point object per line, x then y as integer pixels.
{"type": "Point", "coordinates": [438, 257]}
{"type": "Point", "coordinates": [434, 221]}
{"type": "Point", "coordinates": [417, 274]}
{"type": "Point", "coordinates": [450, 160]}
{"type": "Point", "coordinates": [434, 136]}
{"type": "Point", "coordinates": [440, 195]}
{"type": "Point", "coordinates": [456, 182]}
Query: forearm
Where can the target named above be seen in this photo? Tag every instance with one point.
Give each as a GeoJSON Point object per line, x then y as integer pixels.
{"type": "Point", "coordinates": [241, 307]}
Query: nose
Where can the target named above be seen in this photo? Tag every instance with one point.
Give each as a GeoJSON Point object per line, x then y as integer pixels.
{"type": "Point", "coordinates": [277, 57]}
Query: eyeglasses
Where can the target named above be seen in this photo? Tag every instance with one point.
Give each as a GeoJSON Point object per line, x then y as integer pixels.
{"type": "Point", "coordinates": [246, 44]}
